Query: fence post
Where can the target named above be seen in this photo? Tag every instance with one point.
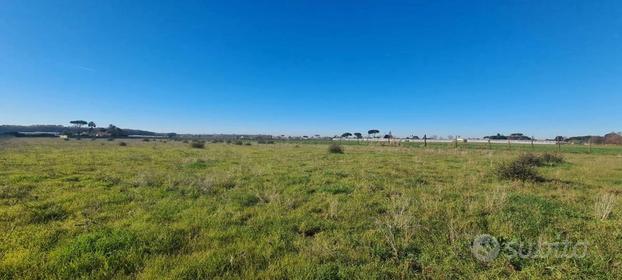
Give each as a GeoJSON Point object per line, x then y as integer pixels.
{"type": "Point", "coordinates": [425, 140]}
{"type": "Point", "coordinates": [509, 144]}
{"type": "Point", "coordinates": [532, 146]}
{"type": "Point", "coordinates": [489, 146]}
{"type": "Point", "coordinates": [590, 142]}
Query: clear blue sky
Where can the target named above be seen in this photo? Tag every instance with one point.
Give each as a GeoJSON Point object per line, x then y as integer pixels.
{"type": "Point", "coordinates": [466, 68]}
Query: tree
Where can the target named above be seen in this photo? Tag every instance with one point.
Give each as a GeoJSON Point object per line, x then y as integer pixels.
{"type": "Point", "coordinates": [346, 135]}
{"type": "Point", "coordinates": [115, 131]}
{"type": "Point", "coordinates": [91, 126]}
{"type": "Point", "coordinates": [613, 138]}
{"type": "Point", "coordinates": [373, 132]}
{"type": "Point", "coordinates": [78, 123]}
{"type": "Point", "coordinates": [358, 135]}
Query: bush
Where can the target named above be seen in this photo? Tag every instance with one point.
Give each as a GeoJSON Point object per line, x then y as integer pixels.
{"type": "Point", "coordinates": [122, 144]}
{"type": "Point", "coordinates": [239, 143]}
{"type": "Point", "coordinates": [197, 144]}
{"type": "Point", "coordinates": [146, 140]}
{"type": "Point", "coordinates": [541, 160]}
{"type": "Point", "coordinates": [518, 170]}
{"type": "Point", "coordinates": [523, 168]}
{"type": "Point", "coordinates": [335, 149]}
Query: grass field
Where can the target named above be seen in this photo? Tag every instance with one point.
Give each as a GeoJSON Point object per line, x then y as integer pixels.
{"type": "Point", "coordinates": [153, 210]}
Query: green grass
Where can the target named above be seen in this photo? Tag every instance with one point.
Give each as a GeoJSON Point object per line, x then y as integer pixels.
{"type": "Point", "coordinates": [153, 210]}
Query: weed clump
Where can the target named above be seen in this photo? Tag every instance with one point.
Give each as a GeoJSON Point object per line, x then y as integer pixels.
{"type": "Point", "coordinates": [604, 206]}
{"type": "Point", "coordinates": [123, 144]}
{"type": "Point", "coordinates": [14, 192]}
{"type": "Point", "coordinates": [335, 149]}
{"type": "Point", "coordinates": [47, 212]}
{"type": "Point", "coordinates": [211, 185]}
{"type": "Point", "coordinates": [197, 144]}
{"type": "Point", "coordinates": [145, 180]}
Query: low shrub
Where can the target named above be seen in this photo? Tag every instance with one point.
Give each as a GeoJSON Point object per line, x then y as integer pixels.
{"type": "Point", "coordinates": [546, 159]}
{"type": "Point", "coordinates": [529, 159]}
{"type": "Point", "coordinates": [197, 144]}
{"type": "Point", "coordinates": [335, 149]}
{"type": "Point", "coordinates": [122, 144]}
{"type": "Point", "coordinates": [239, 143]}
{"type": "Point", "coordinates": [518, 170]}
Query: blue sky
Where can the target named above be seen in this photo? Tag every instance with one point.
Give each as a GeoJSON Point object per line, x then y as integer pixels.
{"type": "Point", "coordinates": [469, 68]}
